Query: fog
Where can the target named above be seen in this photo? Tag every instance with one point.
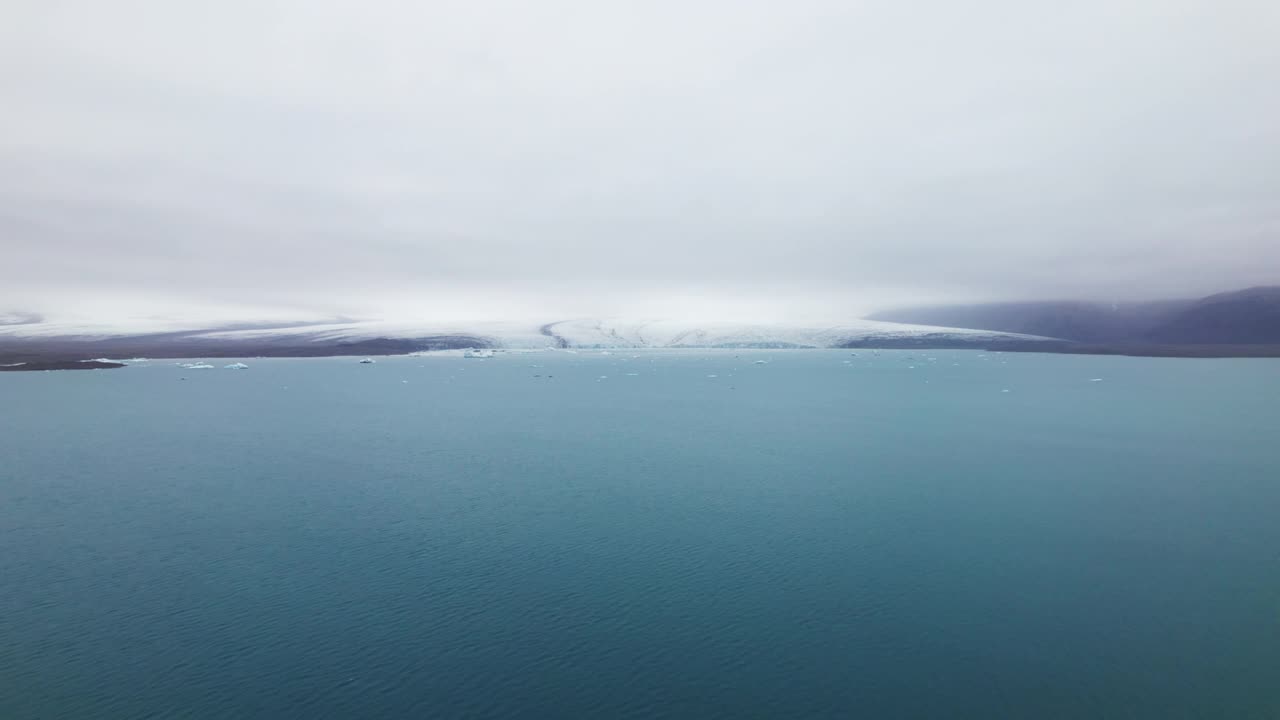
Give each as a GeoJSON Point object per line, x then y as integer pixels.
{"type": "Point", "coordinates": [724, 158]}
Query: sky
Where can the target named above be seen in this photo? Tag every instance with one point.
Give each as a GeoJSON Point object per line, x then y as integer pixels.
{"type": "Point", "coordinates": [761, 159]}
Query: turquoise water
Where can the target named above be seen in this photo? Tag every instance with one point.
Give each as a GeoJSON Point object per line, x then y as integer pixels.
{"type": "Point", "coordinates": [890, 536]}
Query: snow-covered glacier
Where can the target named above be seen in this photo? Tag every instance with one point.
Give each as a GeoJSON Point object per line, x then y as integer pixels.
{"type": "Point", "coordinates": [386, 337]}
{"type": "Point", "coordinates": [624, 333]}
{"type": "Point", "coordinates": [669, 333]}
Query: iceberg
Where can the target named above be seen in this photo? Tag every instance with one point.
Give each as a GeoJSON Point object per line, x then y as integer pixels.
{"type": "Point", "coordinates": [236, 366]}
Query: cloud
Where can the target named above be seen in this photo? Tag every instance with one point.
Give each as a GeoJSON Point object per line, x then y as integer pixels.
{"type": "Point", "coordinates": [817, 158]}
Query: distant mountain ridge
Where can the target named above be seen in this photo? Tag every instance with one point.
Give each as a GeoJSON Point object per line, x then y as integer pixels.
{"type": "Point", "coordinates": [1242, 317]}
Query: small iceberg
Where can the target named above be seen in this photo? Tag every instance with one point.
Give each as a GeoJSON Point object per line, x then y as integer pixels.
{"type": "Point", "coordinates": [236, 366]}
{"type": "Point", "coordinates": [762, 362]}
{"type": "Point", "coordinates": [478, 353]}
{"type": "Point", "coordinates": [367, 361]}
{"type": "Point", "coordinates": [198, 366]}
{"type": "Point", "coordinates": [1096, 380]}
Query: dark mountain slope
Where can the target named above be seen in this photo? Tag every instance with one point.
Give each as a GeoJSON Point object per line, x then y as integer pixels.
{"type": "Point", "coordinates": [1245, 317]}
{"type": "Point", "coordinates": [1249, 316]}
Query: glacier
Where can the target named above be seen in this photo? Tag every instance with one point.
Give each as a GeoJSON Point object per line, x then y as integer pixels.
{"type": "Point", "coordinates": [623, 333]}
{"type": "Point", "coordinates": [402, 337]}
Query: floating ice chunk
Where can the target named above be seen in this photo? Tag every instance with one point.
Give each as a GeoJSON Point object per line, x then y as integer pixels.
{"type": "Point", "coordinates": [482, 353]}
{"type": "Point", "coordinates": [367, 361]}
{"type": "Point", "coordinates": [1096, 380]}
{"type": "Point", "coordinates": [711, 376]}
{"type": "Point", "coordinates": [197, 366]}
{"type": "Point", "coordinates": [762, 362]}
{"type": "Point", "coordinates": [236, 366]}
{"type": "Point", "coordinates": [1005, 390]}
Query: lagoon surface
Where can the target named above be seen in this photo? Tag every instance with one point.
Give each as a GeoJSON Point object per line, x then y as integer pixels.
{"type": "Point", "coordinates": [644, 534]}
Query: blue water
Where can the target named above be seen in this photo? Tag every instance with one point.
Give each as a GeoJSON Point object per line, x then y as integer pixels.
{"type": "Point", "coordinates": [887, 537]}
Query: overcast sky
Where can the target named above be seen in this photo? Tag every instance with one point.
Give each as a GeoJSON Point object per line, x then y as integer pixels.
{"type": "Point", "coordinates": [713, 157]}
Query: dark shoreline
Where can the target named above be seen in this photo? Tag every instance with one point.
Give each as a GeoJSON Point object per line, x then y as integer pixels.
{"type": "Point", "coordinates": [41, 365]}
{"type": "Point", "coordinates": [70, 355]}
{"type": "Point", "coordinates": [1162, 351]}
{"type": "Point", "coordinates": [1060, 347]}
